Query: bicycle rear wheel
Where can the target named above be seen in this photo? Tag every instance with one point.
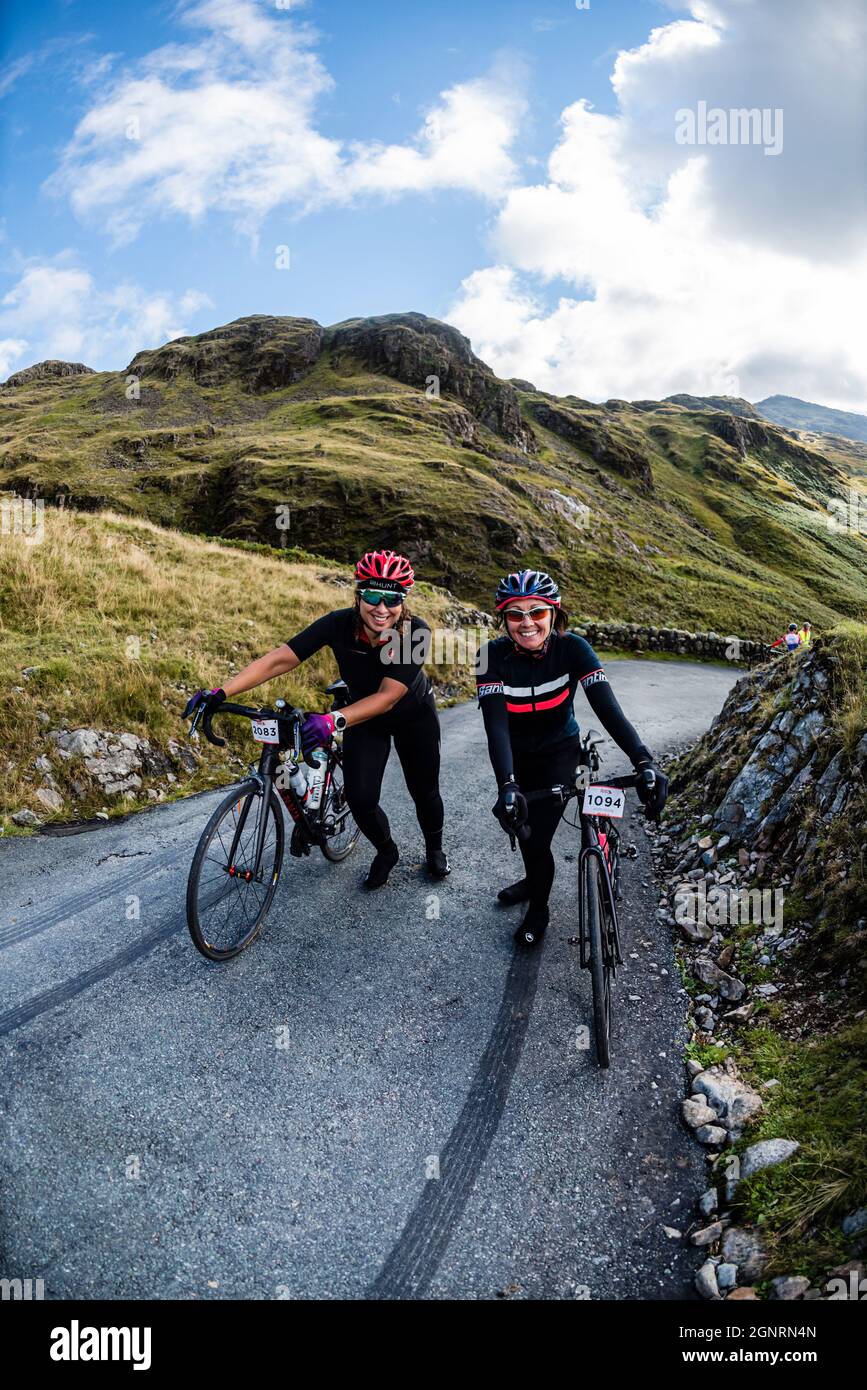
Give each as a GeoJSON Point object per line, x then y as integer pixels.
{"type": "Point", "coordinates": [596, 926]}
{"type": "Point", "coordinates": [226, 901]}
{"type": "Point", "coordinates": [340, 832]}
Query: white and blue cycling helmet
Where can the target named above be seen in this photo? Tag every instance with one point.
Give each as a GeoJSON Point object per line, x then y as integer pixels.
{"type": "Point", "coordinates": [527, 584]}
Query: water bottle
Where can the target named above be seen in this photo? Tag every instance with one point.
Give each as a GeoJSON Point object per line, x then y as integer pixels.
{"type": "Point", "coordinates": [316, 781]}
{"type": "Point", "coordinates": [298, 783]}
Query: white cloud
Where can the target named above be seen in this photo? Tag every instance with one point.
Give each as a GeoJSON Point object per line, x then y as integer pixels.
{"type": "Point", "coordinates": [10, 351]}
{"type": "Point", "coordinates": [226, 122]}
{"type": "Point", "coordinates": [696, 269]}
{"type": "Point", "coordinates": [63, 314]}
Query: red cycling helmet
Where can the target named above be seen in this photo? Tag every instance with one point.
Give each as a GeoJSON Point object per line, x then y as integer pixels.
{"type": "Point", "coordinates": [384, 570]}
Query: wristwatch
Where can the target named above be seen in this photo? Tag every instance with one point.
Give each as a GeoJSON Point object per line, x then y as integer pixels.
{"type": "Point", "coordinates": [339, 723]}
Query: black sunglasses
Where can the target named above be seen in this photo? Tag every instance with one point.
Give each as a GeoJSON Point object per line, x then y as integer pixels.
{"type": "Point", "coordinates": [374, 598]}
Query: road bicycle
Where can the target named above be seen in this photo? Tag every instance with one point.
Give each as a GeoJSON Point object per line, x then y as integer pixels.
{"type": "Point", "coordinates": [237, 863]}
{"type": "Point", "coordinates": [601, 807]}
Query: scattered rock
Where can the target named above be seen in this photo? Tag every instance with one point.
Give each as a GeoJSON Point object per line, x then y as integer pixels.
{"type": "Point", "coordinates": [855, 1222]}
{"type": "Point", "coordinates": [696, 1112]}
{"type": "Point", "coordinates": [732, 1101]}
{"type": "Point", "coordinates": [789, 1287]}
{"type": "Point", "coordinates": [706, 1283]}
{"type": "Point", "coordinates": [708, 1235]}
{"type": "Point", "coordinates": [765, 1154]}
{"type": "Point", "coordinates": [743, 1248]}
{"type": "Point", "coordinates": [711, 1134]}
{"type": "Point", "coordinates": [726, 985]}
{"type": "Point", "coordinates": [51, 800]}
{"type": "Point", "coordinates": [708, 1202]}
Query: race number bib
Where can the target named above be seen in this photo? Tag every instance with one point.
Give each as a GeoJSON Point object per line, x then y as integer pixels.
{"type": "Point", "coordinates": [604, 801]}
{"type": "Point", "coordinates": [265, 730]}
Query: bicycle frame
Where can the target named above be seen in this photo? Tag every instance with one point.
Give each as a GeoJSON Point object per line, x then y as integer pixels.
{"type": "Point", "coordinates": [289, 740]}
{"type": "Point", "coordinates": [591, 848]}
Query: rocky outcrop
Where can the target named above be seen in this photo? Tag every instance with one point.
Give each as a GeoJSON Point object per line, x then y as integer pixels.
{"type": "Point", "coordinates": [430, 355]}
{"type": "Point", "coordinates": [49, 370]}
{"type": "Point", "coordinates": [611, 446]}
{"type": "Point", "coordinates": [261, 352]}
{"type": "Point", "coordinates": [769, 814]}
{"type": "Point", "coordinates": [742, 434]}
{"type": "Point", "coordinates": [735, 405]}
{"type": "Point", "coordinates": [86, 765]}
{"type": "Point", "coordinates": [775, 750]}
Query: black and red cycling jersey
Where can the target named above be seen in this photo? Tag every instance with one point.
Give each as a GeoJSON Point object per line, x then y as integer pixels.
{"type": "Point", "coordinates": [526, 700]}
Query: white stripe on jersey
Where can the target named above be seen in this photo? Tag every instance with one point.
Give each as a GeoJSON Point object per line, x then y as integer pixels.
{"type": "Point", "coordinates": [529, 690]}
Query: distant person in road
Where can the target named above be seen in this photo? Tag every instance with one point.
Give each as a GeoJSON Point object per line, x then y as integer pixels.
{"type": "Point", "coordinates": [791, 638]}
{"type": "Point", "coordinates": [804, 633]}
{"type": "Point", "coordinates": [390, 698]}
{"type": "Point", "coordinates": [526, 681]}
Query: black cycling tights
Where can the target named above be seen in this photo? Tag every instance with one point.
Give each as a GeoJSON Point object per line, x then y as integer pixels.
{"type": "Point", "coordinates": [365, 752]}
{"type": "Point", "coordinates": [544, 770]}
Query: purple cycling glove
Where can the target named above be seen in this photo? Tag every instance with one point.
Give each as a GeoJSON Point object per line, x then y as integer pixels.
{"type": "Point", "coordinates": [316, 731]}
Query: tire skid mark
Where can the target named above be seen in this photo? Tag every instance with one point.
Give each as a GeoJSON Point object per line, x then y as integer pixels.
{"type": "Point", "coordinates": [15, 932]}
{"type": "Point", "coordinates": [61, 994]}
{"type": "Point", "coordinates": [412, 1264]}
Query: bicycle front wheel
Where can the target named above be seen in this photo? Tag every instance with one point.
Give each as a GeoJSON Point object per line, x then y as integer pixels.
{"type": "Point", "coordinates": [595, 920]}
{"type": "Point", "coordinates": [227, 896]}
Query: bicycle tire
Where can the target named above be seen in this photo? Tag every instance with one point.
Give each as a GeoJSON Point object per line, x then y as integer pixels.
{"type": "Point", "coordinates": [196, 929]}
{"type": "Point", "coordinates": [599, 975]}
{"type": "Point", "coordinates": [337, 856]}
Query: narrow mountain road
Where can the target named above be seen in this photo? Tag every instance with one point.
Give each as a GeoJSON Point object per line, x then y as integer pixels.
{"type": "Point", "coordinates": [380, 1099]}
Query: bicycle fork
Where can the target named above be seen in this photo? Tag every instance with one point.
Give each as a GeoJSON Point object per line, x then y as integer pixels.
{"type": "Point", "coordinates": [265, 778]}
{"type": "Point", "coordinates": [596, 851]}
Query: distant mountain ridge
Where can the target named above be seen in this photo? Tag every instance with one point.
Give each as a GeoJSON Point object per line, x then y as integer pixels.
{"type": "Point", "coordinates": [690, 513]}
{"type": "Point", "coordinates": [795, 414]}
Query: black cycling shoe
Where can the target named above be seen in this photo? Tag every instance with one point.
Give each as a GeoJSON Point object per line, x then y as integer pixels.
{"type": "Point", "coordinates": [384, 862]}
{"type": "Point", "coordinates": [533, 927]}
{"type": "Point", "coordinates": [515, 893]}
{"type": "Point", "coordinates": [438, 865]}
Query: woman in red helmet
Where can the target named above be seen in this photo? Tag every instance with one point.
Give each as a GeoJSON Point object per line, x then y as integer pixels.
{"type": "Point", "coordinates": [380, 649]}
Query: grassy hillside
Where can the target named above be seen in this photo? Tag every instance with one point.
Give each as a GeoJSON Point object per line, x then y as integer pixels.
{"type": "Point", "coordinates": [121, 620]}
{"type": "Point", "coordinates": [650, 512]}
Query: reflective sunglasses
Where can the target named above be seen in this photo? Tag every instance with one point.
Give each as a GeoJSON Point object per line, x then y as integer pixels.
{"type": "Point", "coordinates": [516, 614]}
{"type": "Point", "coordinates": [374, 599]}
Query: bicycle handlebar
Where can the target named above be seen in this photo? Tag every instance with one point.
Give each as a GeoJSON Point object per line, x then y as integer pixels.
{"type": "Point", "coordinates": [206, 715]}
{"type": "Point", "coordinates": [566, 793]}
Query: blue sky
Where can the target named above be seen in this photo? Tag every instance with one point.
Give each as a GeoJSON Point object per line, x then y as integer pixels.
{"type": "Point", "coordinates": [420, 160]}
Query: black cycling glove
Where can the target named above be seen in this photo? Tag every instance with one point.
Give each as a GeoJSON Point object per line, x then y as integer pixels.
{"type": "Point", "coordinates": [652, 788]}
{"type": "Point", "coordinates": [210, 698]}
{"type": "Point", "coordinates": [511, 807]}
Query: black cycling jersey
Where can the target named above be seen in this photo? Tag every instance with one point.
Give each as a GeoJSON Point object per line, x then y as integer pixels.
{"type": "Point", "coordinates": [526, 700]}
{"type": "Point", "coordinates": [365, 666]}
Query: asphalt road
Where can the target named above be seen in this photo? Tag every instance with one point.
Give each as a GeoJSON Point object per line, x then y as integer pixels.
{"type": "Point", "coordinates": [380, 1099]}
